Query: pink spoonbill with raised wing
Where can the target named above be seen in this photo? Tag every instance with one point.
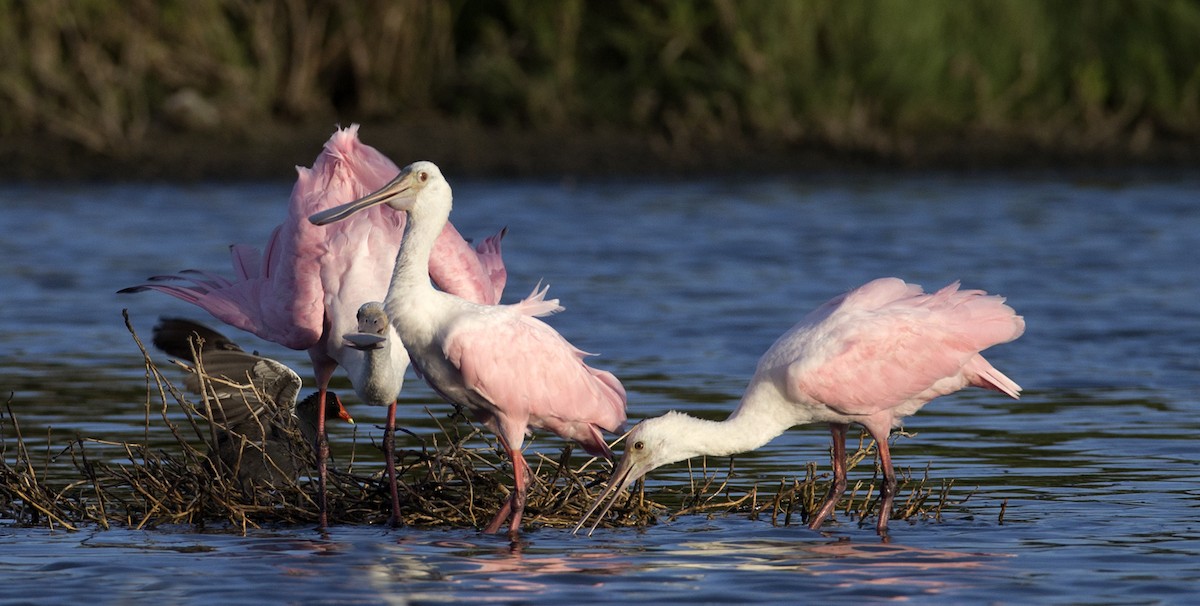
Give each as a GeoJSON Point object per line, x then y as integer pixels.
{"type": "Point", "coordinates": [871, 356]}
{"type": "Point", "coordinates": [511, 370]}
{"type": "Point", "coordinates": [305, 290]}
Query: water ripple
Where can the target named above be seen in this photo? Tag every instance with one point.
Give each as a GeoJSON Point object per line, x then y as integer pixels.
{"type": "Point", "coordinates": [1083, 491]}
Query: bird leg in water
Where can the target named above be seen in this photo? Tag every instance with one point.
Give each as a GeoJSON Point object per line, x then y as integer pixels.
{"type": "Point", "coordinates": [322, 448]}
{"type": "Point", "coordinates": [389, 454]}
{"type": "Point", "coordinates": [515, 504]}
{"type": "Point", "coordinates": [838, 430]}
{"type": "Point", "coordinates": [324, 372]}
{"type": "Point", "coordinates": [887, 487]}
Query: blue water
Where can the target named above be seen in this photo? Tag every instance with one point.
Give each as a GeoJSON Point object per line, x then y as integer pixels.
{"type": "Point", "coordinates": [680, 286]}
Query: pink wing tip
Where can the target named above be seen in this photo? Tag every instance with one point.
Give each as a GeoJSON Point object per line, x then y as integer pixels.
{"type": "Point", "coordinates": [492, 243]}
{"type": "Point", "coordinates": [595, 444]}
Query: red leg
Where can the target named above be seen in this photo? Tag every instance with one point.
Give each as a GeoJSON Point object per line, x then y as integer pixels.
{"type": "Point", "coordinates": [887, 487]}
{"type": "Point", "coordinates": [324, 373]}
{"type": "Point", "coordinates": [322, 447]}
{"type": "Point", "coordinates": [389, 454]}
{"type": "Point", "coordinates": [515, 503]}
{"type": "Point", "coordinates": [501, 515]}
{"type": "Point", "coordinates": [838, 431]}
{"type": "Point", "coordinates": [520, 485]}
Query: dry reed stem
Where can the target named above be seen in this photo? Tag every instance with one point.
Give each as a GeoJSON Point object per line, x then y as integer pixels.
{"type": "Point", "coordinates": [444, 481]}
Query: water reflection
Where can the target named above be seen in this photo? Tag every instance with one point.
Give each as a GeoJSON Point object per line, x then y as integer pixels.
{"type": "Point", "coordinates": [680, 287]}
{"type": "Point", "coordinates": [542, 566]}
{"type": "Point", "coordinates": [518, 567]}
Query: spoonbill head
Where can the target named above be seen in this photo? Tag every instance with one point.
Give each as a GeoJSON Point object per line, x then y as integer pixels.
{"type": "Point", "coordinates": [651, 444]}
{"type": "Point", "coordinates": [373, 328]}
{"type": "Point", "coordinates": [401, 193]}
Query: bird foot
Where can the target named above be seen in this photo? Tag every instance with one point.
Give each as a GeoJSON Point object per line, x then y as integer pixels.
{"type": "Point", "coordinates": [494, 525]}
{"type": "Point", "coordinates": [510, 507]}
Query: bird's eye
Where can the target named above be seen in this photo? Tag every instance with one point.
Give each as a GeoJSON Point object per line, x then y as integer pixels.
{"type": "Point", "coordinates": [639, 445]}
{"type": "Point", "coordinates": [422, 176]}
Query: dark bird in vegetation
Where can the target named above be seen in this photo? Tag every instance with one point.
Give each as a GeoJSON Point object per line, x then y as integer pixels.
{"type": "Point", "coordinates": [510, 369]}
{"type": "Point", "coordinates": [305, 289]}
{"type": "Point", "coordinates": [261, 434]}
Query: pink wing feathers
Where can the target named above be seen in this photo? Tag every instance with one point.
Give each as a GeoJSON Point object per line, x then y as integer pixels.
{"type": "Point", "coordinates": [286, 293]}
{"type": "Point", "coordinates": [493, 264]}
{"type": "Point", "coordinates": [265, 299]}
{"type": "Point", "coordinates": [279, 294]}
{"type": "Point", "coordinates": [475, 274]}
{"type": "Point", "coordinates": [887, 343]}
{"type": "Point", "coordinates": [537, 378]}
{"type": "Point", "coordinates": [359, 169]}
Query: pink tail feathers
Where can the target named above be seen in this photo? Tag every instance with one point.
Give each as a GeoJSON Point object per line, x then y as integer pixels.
{"type": "Point", "coordinates": [985, 321]}
{"type": "Point", "coordinates": [608, 414]}
{"type": "Point", "coordinates": [982, 374]}
{"type": "Point", "coordinates": [536, 304]}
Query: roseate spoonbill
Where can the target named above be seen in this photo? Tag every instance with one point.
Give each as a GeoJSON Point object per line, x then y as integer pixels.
{"type": "Point", "coordinates": [305, 290]}
{"type": "Point", "coordinates": [252, 403]}
{"type": "Point", "coordinates": [871, 356]}
{"type": "Point", "coordinates": [511, 370]}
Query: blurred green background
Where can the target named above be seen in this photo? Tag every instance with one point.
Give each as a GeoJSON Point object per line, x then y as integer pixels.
{"type": "Point", "coordinates": [903, 82]}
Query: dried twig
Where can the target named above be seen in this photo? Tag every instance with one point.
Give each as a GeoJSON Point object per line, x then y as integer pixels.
{"type": "Point", "coordinates": [445, 480]}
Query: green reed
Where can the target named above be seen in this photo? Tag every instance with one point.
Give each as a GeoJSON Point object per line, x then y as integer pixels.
{"type": "Point", "coordinates": [878, 75]}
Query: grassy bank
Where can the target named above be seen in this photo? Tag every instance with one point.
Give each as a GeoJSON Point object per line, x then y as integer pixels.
{"type": "Point", "coordinates": [110, 82]}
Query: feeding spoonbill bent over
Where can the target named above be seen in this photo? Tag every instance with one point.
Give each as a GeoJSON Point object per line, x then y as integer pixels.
{"type": "Point", "coordinates": [499, 361]}
{"type": "Point", "coordinates": [305, 291]}
{"type": "Point", "coordinates": [251, 405]}
{"type": "Point", "coordinates": [871, 356]}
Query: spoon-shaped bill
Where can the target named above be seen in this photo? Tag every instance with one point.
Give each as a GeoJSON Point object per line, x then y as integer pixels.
{"type": "Point", "coordinates": [363, 341]}
{"type": "Point", "coordinates": [626, 473]}
{"type": "Point", "coordinates": [397, 188]}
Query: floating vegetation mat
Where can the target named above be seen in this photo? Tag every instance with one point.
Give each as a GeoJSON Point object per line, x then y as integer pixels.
{"type": "Point", "coordinates": [455, 477]}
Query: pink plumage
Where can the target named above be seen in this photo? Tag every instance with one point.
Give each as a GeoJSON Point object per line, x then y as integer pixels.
{"type": "Point", "coordinates": [509, 358]}
{"type": "Point", "coordinates": [886, 346]}
{"type": "Point", "coordinates": [510, 369]}
{"type": "Point", "coordinates": [304, 290]}
{"type": "Point", "coordinates": [306, 272]}
{"type": "Point", "coordinates": [871, 356]}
